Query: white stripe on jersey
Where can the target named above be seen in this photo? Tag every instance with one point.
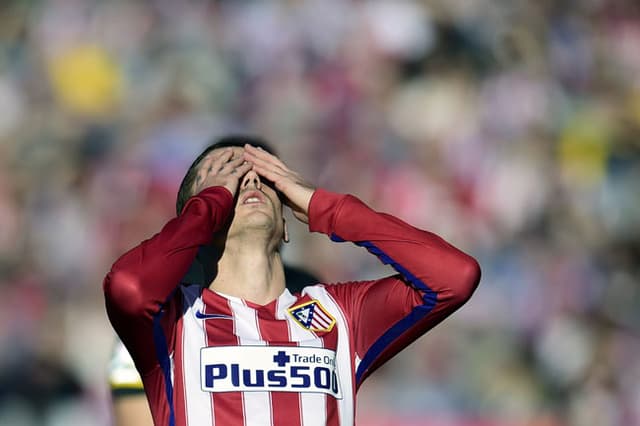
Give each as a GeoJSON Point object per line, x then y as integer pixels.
{"type": "Point", "coordinates": [343, 353]}
{"type": "Point", "coordinates": [198, 403]}
{"type": "Point", "coordinates": [257, 405]}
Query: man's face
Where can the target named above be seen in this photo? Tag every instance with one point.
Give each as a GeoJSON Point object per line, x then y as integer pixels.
{"type": "Point", "coordinates": [258, 207]}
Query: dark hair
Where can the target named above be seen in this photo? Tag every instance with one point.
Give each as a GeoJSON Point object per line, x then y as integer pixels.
{"type": "Point", "coordinates": [184, 193]}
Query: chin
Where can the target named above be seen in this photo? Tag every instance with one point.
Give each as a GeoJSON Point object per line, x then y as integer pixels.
{"type": "Point", "coordinates": [253, 224]}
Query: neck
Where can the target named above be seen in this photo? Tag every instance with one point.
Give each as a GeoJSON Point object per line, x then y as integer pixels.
{"type": "Point", "coordinates": [251, 272]}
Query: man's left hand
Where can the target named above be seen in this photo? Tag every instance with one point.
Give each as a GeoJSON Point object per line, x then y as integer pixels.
{"type": "Point", "coordinates": [297, 192]}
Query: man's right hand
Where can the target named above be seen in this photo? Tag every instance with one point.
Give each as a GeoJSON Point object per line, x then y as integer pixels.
{"type": "Point", "coordinates": [222, 167]}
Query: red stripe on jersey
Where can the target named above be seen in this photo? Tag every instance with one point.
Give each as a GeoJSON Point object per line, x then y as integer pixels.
{"type": "Point", "coordinates": [179, 386]}
{"type": "Point", "coordinates": [227, 406]}
{"type": "Point", "coordinates": [284, 405]}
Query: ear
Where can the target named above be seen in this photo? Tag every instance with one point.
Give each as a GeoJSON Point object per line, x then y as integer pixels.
{"type": "Point", "coordinates": [285, 234]}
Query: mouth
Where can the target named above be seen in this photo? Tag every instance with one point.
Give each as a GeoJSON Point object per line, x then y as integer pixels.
{"type": "Point", "coordinates": [252, 197]}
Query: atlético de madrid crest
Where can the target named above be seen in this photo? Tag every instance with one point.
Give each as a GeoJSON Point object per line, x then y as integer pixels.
{"type": "Point", "coordinates": [312, 316]}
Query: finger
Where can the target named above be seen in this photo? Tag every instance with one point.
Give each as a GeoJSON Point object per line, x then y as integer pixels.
{"type": "Point", "coordinates": [217, 155]}
{"type": "Point", "coordinates": [204, 166]}
{"type": "Point", "coordinates": [241, 169]}
{"type": "Point", "coordinates": [264, 164]}
{"type": "Point", "coordinates": [232, 164]}
{"type": "Point", "coordinates": [219, 161]}
{"type": "Point", "coordinates": [205, 169]}
{"type": "Point", "coordinates": [277, 178]}
{"type": "Point", "coordinates": [221, 152]}
{"type": "Point", "coordinates": [238, 173]}
{"type": "Point", "coordinates": [256, 152]}
{"type": "Point", "coordinates": [263, 155]}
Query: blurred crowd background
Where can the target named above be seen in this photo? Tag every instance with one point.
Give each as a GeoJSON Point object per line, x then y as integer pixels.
{"type": "Point", "coordinates": [511, 128]}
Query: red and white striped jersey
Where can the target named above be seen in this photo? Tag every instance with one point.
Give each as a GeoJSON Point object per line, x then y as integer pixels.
{"type": "Point", "coordinates": [212, 359]}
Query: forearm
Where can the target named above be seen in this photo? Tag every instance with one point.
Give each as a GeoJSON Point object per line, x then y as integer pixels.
{"type": "Point", "coordinates": [424, 259]}
{"type": "Point", "coordinates": [143, 278]}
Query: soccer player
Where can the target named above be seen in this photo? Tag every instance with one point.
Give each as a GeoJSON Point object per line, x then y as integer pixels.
{"type": "Point", "coordinates": [245, 350]}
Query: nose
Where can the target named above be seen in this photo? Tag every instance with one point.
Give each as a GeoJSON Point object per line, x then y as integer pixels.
{"type": "Point", "coordinates": [251, 178]}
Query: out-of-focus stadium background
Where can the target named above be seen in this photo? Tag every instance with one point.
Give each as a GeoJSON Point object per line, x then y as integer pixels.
{"type": "Point", "coordinates": [511, 128]}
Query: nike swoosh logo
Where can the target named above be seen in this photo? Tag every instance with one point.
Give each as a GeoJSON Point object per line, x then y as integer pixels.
{"type": "Point", "coordinates": [200, 315]}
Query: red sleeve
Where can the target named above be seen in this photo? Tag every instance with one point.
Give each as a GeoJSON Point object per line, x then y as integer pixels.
{"type": "Point", "coordinates": [434, 278]}
{"type": "Point", "coordinates": [142, 280]}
